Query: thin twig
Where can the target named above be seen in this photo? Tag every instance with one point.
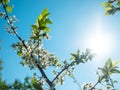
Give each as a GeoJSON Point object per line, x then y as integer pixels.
{"type": "Point", "coordinates": [62, 71]}
{"type": "Point", "coordinates": [95, 85]}
{"type": "Point", "coordinates": [111, 81]}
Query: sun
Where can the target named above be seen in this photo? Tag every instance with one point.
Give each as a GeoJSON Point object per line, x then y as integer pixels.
{"type": "Point", "coordinates": [100, 42]}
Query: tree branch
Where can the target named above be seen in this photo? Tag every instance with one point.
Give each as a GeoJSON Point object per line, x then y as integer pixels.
{"type": "Point", "coordinates": [13, 29]}
{"type": "Point", "coordinates": [62, 71]}
{"type": "Point", "coordinates": [95, 85]}
{"type": "Point", "coordinates": [99, 81]}
{"type": "Point", "coordinates": [111, 81]}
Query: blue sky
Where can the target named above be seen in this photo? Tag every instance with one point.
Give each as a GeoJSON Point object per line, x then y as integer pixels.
{"type": "Point", "coordinates": [74, 22]}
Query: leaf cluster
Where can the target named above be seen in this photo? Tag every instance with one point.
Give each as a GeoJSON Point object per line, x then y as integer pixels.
{"type": "Point", "coordinates": [111, 7]}
{"type": "Point", "coordinates": [28, 84]}
{"type": "Point", "coordinates": [82, 57]}
{"type": "Point", "coordinates": [104, 77]}
{"type": "Point", "coordinates": [40, 28]}
{"type": "Point", "coordinates": [110, 67]}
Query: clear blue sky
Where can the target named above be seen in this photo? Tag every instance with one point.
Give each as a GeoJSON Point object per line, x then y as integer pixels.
{"type": "Point", "coordinates": [74, 21]}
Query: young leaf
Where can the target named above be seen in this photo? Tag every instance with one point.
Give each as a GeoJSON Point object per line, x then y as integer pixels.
{"type": "Point", "coordinates": [47, 29]}
{"type": "Point", "coordinates": [38, 23]}
{"type": "Point", "coordinates": [108, 8]}
{"type": "Point", "coordinates": [34, 27]}
{"type": "Point", "coordinates": [100, 78]}
{"type": "Point", "coordinates": [115, 81]}
{"type": "Point", "coordinates": [42, 27]}
{"type": "Point", "coordinates": [48, 21]}
{"type": "Point", "coordinates": [73, 54]}
{"type": "Point", "coordinates": [104, 71]}
{"type": "Point", "coordinates": [104, 4]}
{"type": "Point", "coordinates": [6, 1]}
{"type": "Point", "coordinates": [34, 37]}
{"type": "Point", "coordinates": [111, 11]}
{"type": "Point", "coordinates": [115, 71]}
{"type": "Point", "coordinates": [44, 12]}
{"type": "Point", "coordinates": [108, 64]}
{"type": "Point", "coordinates": [72, 58]}
{"type": "Point", "coordinates": [19, 53]}
{"type": "Point", "coordinates": [46, 16]}
{"type": "Point", "coordinates": [9, 9]}
{"type": "Point", "coordinates": [115, 63]}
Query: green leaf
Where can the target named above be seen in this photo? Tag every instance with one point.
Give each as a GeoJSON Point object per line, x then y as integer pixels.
{"type": "Point", "coordinates": [107, 4]}
{"type": "Point", "coordinates": [38, 23]}
{"type": "Point", "coordinates": [90, 57]}
{"type": "Point", "coordinates": [19, 53]}
{"type": "Point", "coordinates": [34, 27]}
{"type": "Point", "coordinates": [48, 21]}
{"type": "Point", "coordinates": [44, 12]}
{"type": "Point", "coordinates": [39, 17]}
{"type": "Point", "coordinates": [111, 12]}
{"type": "Point", "coordinates": [108, 8]}
{"type": "Point", "coordinates": [108, 64]}
{"type": "Point", "coordinates": [118, 3]}
{"type": "Point", "coordinates": [6, 1]}
{"type": "Point", "coordinates": [47, 29]}
{"type": "Point", "coordinates": [72, 58]}
{"type": "Point", "coordinates": [114, 63]}
{"type": "Point", "coordinates": [115, 71]}
{"type": "Point", "coordinates": [9, 9]}
{"type": "Point", "coordinates": [35, 37]}
{"type": "Point", "coordinates": [46, 16]}
{"type": "Point", "coordinates": [115, 81]}
{"type": "Point", "coordinates": [108, 13]}
{"type": "Point", "coordinates": [104, 71]}
{"type": "Point", "coordinates": [104, 4]}
{"type": "Point", "coordinates": [100, 78]}
{"type": "Point", "coordinates": [43, 20]}
{"type": "Point", "coordinates": [42, 27]}
{"type": "Point", "coordinates": [73, 54]}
